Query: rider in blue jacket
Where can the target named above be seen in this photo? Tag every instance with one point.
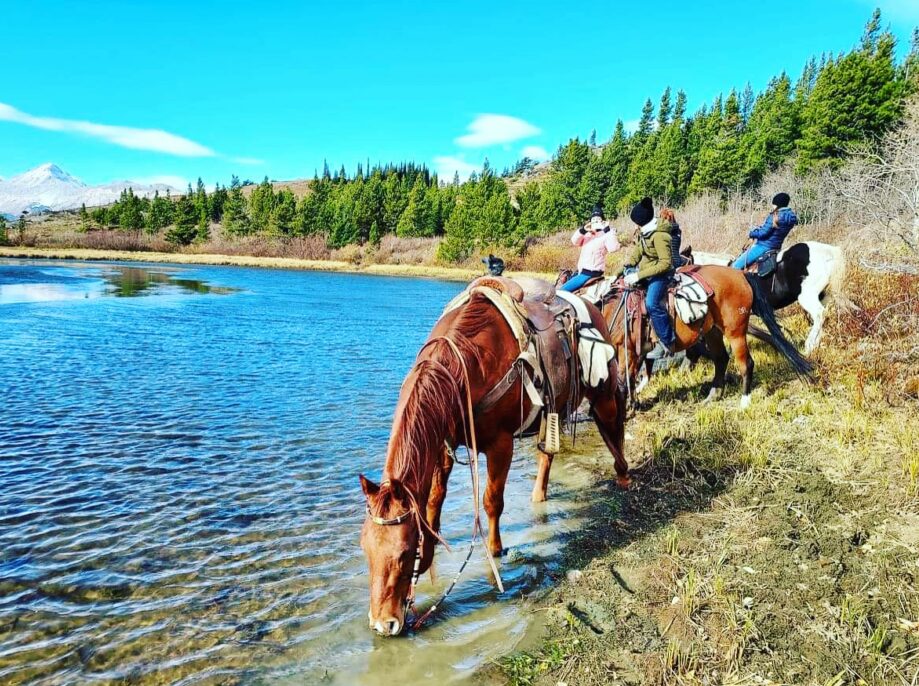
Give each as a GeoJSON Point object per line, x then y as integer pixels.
{"type": "Point", "coordinates": [771, 234]}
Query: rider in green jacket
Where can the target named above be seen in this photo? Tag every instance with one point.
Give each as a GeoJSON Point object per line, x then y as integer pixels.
{"type": "Point", "coordinates": [653, 255]}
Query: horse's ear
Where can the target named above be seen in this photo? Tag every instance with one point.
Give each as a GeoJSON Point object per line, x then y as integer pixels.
{"type": "Point", "coordinates": [370, 489]}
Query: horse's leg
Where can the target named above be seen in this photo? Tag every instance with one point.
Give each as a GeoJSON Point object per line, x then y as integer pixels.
{"type": "Point", "coordinates": [810, 301]}
{"type": "Point", "coordinates": [541, 485]}
{"type": "Point", "coordinates": [439, 490]}
{"type": "Point", "coordinates": [738, 340]}
{"type": "Point", "coordinates": [498, 455]}
{"type": "Point", "coordinates": [648, 367]}
{"type": "Point", "coordinates": [714, 341]}
{"type": "Point", "coordinates": [608, 410]}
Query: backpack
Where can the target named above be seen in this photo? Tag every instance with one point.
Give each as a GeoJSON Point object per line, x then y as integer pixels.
{"type": "Point", "coordinates": [676, 240]}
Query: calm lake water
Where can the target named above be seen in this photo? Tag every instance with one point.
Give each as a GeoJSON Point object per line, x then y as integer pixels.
{"type": "Point", "coordinates": [179, 503]}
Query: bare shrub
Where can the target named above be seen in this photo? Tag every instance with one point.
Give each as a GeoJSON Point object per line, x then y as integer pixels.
{"type": "Point", "coordinates": [545, 257]}
{"type": "Point", "coordinates": [879, 186]}
{"type": "Point", "coordinates": [395, 250]}
{"type": "Point", "coordinates": [352, 254]}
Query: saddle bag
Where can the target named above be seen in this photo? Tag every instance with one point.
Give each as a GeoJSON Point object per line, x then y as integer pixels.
{"type": "Point", "coordinates": [690, 299]}
{"type": "Point", "coordinates": [767, 264]}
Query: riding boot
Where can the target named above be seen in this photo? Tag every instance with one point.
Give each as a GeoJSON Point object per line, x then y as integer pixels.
{"type": "Point", "coordinates": [660, 351]}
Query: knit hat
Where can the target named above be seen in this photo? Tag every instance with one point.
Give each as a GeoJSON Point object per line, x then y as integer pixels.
{"type": "Point", "coordinates": [781, 200]}
{"type": "Point", "coordinates": [643, 212]}
{"type": "Point", "coordinates": [597, 212]}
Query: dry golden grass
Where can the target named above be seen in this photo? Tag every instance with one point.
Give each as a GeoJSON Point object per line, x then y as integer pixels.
{"type": "Point", "coordinates": [777, 545]}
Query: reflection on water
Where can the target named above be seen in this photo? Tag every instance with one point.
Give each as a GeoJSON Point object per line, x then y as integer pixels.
{"type": "Point", "coordinates": [21, 282]}
{"type": "Point", "coordinates": [126, 282]}
{"type": "Point", "coordinates": [179, 499]}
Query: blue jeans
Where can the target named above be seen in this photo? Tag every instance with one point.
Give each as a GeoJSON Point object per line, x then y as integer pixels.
{"type": "Point", "coordinates": [578, 280]}
{"type": "Point", "coordinates": [750, 255]}
{"type": "Point", "coordinates": [656, 301]}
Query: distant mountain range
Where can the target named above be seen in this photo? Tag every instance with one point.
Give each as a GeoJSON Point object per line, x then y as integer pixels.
{"type": "Point", "coordinates": [48, 188]}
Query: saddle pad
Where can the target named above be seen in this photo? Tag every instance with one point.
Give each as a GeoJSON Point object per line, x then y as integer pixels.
{"type": "Point", "coordinates": [594, 353]}
{"type": "Point", "coordinates": [595, 292]}
{"type": "Point", "coordinates": [689, 298]}
{"type": "Point", "coordinates": [506, 305]}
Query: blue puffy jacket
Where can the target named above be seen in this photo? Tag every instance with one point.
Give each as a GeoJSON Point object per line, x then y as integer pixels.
{"type": "Point", "coordinates": [776, 227]}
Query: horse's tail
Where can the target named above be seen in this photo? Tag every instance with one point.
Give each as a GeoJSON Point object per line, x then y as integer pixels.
{"type": "Point", "coordinates": [835, 286]}
{"type": "Point", "coordinates": [764, 311]}
{"type": "Point", "coordinates": [837, 273]}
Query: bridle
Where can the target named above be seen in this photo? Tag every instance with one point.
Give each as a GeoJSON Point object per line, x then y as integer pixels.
{"type": "Point", "coordinates": [415, 512]}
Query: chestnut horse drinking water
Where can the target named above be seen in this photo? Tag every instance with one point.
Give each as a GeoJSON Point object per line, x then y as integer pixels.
{"type": "Point", "coordinates": [469, 354]}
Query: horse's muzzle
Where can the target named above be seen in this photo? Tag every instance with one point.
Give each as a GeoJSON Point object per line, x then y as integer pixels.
{"type": "Point", "coordinates": [389, 626]}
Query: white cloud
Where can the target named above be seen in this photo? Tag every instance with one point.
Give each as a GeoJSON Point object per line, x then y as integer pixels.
{"type": "Point", "coordinates": [124, 136]}
{"type": "Point", "coordinates": [447, 166]}
{"type": "Point", "coordinates": [535, 152]}
{"type": "Point", "coordinates": [491, 129]}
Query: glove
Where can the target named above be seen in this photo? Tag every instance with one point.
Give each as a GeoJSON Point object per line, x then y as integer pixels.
{"type": "Point", "coordinates": [631, 278]}
{"type": "Point", "coordinates": [582, 231]}
{"type": "Point", "coordinates": [606, 230]}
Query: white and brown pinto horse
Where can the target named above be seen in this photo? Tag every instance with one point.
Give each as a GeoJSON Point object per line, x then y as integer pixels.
{"type": "Point", "coordinates": [806, 273]}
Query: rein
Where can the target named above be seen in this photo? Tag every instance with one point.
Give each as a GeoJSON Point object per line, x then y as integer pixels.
{"type": "Point", "coordinates": [627, 316]}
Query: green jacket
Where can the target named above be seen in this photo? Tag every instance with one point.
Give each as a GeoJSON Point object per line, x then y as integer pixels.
{"type": "Point", "coordinates": [652, 254]}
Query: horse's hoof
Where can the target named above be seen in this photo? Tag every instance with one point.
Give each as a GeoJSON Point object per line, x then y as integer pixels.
{"type": "Point", "coordinates": [538, 497]}
{"type": "Point", "coordinates": [713, 395]}
{"type": "Point", "coordinates": [624, 482]}
{"type": "Point", "coordinates": [744, 402]}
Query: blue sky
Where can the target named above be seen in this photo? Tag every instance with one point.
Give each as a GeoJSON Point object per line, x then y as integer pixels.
{"type": "Point", "coordinates": [176, 90]}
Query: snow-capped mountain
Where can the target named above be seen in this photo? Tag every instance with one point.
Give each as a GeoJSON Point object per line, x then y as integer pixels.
{"type": "Point", "coordinates": [50, 187]}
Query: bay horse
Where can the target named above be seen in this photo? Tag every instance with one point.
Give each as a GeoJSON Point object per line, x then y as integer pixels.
{"type": "Point", "coordinates": [737, 296]}
{"type": "Point", "coordinates": [806, 273]}
{"type": "Point", "coordinates": [469, 351]}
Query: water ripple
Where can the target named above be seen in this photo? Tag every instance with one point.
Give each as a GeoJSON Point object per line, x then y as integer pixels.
{"type": "Point", "coordinates": [179, 499]}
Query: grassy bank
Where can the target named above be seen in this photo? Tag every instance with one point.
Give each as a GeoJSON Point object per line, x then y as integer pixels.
{"type": "Point", "coordinates": [410, 270]}
{"type": "Point", "coordinates": [774, 546]}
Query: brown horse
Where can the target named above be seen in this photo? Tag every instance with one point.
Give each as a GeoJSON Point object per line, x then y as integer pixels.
{"type": "Point", "coordinates": [736, 296]}
{"type": "Point", "coordinates": [469, 351]}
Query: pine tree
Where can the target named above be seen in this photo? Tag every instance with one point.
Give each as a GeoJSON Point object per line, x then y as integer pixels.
{"type": "Point", "coordinates": [21, 228]}
{"type": "Point", "coordinates": [664, 110]}
{"type": "Point", "coordinates": [746, 103]}
{"type": "Point", "coordinates": [592, 141]}
{"type": "Point", "coordinates": [375, 234]}
{"type": "Point", "coordinates": [283, 214]}
{"type": "Point", "coordinates": [771, 133]}
{"type": "Point", "coordinates": [679, 109]}
{"type": "Point", "coordinates": [855, 97]}
{"type": "Point", "coordinates": [261, 205]}
{"type": "Point", "coordinates": [910, 67]}
{"type": "Point", "coordinates": [721, 159]}
{"type": "Point", "coordinates": [646, 123]}
{"type": "Point", "coordinates": [235, 214]}
{"type": "Point", "coordinates": [84, 218]}
{"type": "Point", "coordinates": [130, 215]}
{"type": "Point", "coordinates": [615, 160]}
{"type": "Point", "coordinates": [4, 236]}
{"type": "Point", "coordinates": [184, 230]}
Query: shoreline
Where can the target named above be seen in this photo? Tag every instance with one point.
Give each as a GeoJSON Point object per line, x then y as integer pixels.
{"type": "Point", "coordinates": [292, 263]}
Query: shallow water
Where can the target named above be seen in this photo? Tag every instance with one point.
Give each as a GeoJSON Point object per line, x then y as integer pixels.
{"type": "Point", "coordinates": [178, 481]}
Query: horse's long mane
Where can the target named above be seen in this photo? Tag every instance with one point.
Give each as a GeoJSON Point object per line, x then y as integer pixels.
{"type": "Point", "coordinates": [433, 398]}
